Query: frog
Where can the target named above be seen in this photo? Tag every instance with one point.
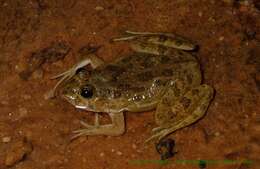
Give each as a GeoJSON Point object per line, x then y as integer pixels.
{"type": "Point", "coordinates": [159, 74]}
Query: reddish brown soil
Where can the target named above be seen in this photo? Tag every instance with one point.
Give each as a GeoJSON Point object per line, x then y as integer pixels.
{"type": "Point", "coordinates": [229, 38]}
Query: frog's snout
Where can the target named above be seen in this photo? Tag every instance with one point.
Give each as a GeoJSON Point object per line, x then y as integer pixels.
{"type": "Point", "coordinates": [70, 92]}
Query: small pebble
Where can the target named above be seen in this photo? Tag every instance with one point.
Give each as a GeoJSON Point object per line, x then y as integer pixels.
{"type": "Point", "coordinates": [119, 153]}
{"type": "Point", "coordinates": [17, 152]}
{"type": "Point", "coordinates": [23, 112]}
{"type": "Point", "coordinates": [221, 38]}
{"type": "Point", "coordinates": [99, 8]}
{"type": "Point", "coordinates": [6, 139]}
{"type": "Point", "coordinates": [134, 146]}
{"type": "Point", "coordinates": [4, 102]}
{"type": "Point", "coordinates": [26, 97]}
{"type": "Point", "coordinates": [112, 150]}
{"type": "Point", "coordinates": [48, 95]}
{"type": "Point", "coordinates": [102, 154]}
{"type": "Point", "coordinates": [216, 104]}
{"type": "Point", "coordinates": [38, 74]}
{"type": "Point", "coordinates": [200, 14]}
{"type": "Point", "coordinates": [216, 134]}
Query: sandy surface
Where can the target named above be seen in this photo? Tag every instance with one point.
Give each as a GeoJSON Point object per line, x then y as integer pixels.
{"type": "Point", "coordinates": [35, 131]}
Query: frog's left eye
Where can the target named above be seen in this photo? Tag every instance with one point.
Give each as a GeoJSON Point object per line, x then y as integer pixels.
{"type": "Point", "coordinates": [87, 91]}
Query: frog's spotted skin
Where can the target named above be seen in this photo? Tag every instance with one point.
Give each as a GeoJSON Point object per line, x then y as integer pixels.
{"type": "Point", "coordinates": [155, 76]}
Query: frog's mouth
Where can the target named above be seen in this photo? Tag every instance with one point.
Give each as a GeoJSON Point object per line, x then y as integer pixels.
{"type": "Point", "coordinates": [76, 101]}
{"type": "Point", "coordinates": [73, 96]}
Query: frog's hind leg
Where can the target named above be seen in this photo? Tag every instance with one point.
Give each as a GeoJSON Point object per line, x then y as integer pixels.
{"type": "Point", "coordinates": [116, 128]}
{"type": "Point", "coordinates": [163, 39]}
{"type": "Point", "coordinates": [92, 59]}
{"type": "Point", "coordinates": [172, 114]}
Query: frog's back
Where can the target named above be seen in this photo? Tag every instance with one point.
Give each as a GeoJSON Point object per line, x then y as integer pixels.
{"type": "Point", "coordinates": [140, 76]}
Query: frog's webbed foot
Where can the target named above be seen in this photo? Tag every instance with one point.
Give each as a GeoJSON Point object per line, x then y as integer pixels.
{"type": "Point", "coordinates": [152, 42]}
{"type": "Point", "coordinates": [92, 59]}
{"type": "Point", "coordinates": [116, 128]}
{"type": "Point", "coordinates": [172, 114]}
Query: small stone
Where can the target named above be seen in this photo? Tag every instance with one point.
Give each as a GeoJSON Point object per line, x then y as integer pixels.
{"type": "Point", "coordinates": [6, 139]}
{"type": "Point", "coordinates": [134, 146]}
{"type": "Point", "coordinates": [221, 38]}
{"type": "Point", "coordinates": [112, 150]}
{"type": "Point", "coordinates": [26, 97]}
{"type": "Point", "coordinates": [38, 74]}
{"type": "Point", "coordinates": [119, 153]}
{"type": "Point", "coordinates": [200, 14]}
{"type": "Point", "coordinates": [99, 8]}
{"type": "Point", "coordinates": [4, 102]}
{"type": "Point", "coordinates": [102, 154]}
{"type": "Point", "coordinates": [17, 152]}
{"type": "Point", "coordinates": [23, 112]}
{"type": "Point", "coordinates": [48, 95]}
{"type": "Point", "coordinates": [216, 134]}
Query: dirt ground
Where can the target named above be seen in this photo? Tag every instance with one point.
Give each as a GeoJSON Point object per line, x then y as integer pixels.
{"type": "Point", "coordinates": [35, 131]}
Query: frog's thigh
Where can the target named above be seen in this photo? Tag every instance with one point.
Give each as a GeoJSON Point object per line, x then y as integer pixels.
{"type": "Point", "coordinates": [116, 128]}
{"type": "Point", "coordinates": [172, 114]}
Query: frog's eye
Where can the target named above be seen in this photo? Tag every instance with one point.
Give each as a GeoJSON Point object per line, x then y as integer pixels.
{"type": "Point", "coordinates": [87, 91]}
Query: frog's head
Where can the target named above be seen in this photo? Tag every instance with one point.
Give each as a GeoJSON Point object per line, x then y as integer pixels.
{"type": "Point", "coordinates": [87, 95]}
{"type": "Point", "coordinates": [79, 95]}
{"type": "Point", "coordinates": [78, 91]}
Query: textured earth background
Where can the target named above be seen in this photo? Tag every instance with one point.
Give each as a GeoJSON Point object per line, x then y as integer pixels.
{"type": "Point", "coordinates": [40, 38]}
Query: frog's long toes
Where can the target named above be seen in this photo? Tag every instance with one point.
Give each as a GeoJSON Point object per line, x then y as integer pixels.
{"type": "Point", "coordinates": [87, 126]}
{"type": "Point", "coordinates": [157, 129]}
{"type": "Point", "coordinates": [81, 132]}
{"type": "Point", "coordinates": [77, 133]}
{"type": "Point", "coordinates": [153, 137]}
{"type": "Point", "coordinates": [61, 74]}
{"type": "Point", "coordinates": [159, 133]}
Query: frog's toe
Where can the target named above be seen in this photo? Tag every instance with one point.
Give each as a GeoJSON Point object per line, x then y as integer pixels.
{"type": "Point", "coordinates": [157, 129]}
{"type": "Point", "coordinates": [108, 129]}
{"type": "Point", "coordinates": [159, 134]}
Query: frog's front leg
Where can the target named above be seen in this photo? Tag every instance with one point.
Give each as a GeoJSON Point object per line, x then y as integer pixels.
{"type": "Point", "coordinates": [116, 128]}
{"type": "Point", "coordinates": [92, 59]}
{"type": "Point", "coordinates": [174, 113]}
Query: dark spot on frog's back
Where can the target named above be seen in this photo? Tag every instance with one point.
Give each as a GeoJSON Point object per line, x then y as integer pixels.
{"type": "Point", "coordinates": [114, 71]}
{"type": "Point", "coordinates": [185, 102]}
{"type": "Point", "coordinates": [165, 59]}
{"type": "Point", "coordinates": [176, 91]}
{"type": "Point", "coordinates": [189, 78]}
{"type": "Point", "coordinates": [144, 76]}
{"type": "Point", "coordinates": [163, 38]}
{"type": "Point", "coordinates": [160, 82]}
{"type": "Point", "coordinates": [148, 62]}
{"type": "Point", "coordinates": [195, 92]}
{"type": "Point", "coordinates": [167, 72]}
{"type": "Point", "coordinates": [123, 86]}
{"type": "Point", "coordinates": [114, 68]}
